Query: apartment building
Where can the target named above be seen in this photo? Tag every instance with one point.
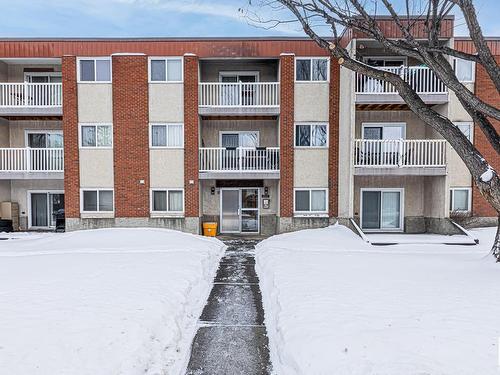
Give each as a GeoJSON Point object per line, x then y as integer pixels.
{"type": "Point", "coordinates": [260, 135]}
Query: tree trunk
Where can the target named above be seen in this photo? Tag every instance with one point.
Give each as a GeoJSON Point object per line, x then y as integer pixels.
{"type": "Point", "coordinates": [496, 245]}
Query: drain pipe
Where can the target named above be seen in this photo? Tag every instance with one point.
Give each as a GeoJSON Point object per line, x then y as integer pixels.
{"type": "Point", "coordinates": [358, 231]}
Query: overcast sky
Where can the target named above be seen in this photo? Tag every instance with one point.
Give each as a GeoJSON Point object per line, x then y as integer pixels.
{"type": "Point", "coordinates": [160, 18]}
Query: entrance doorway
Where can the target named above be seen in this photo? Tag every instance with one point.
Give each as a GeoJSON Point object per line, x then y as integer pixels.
{"type": "Point", "coordinates": [382, 209]}
{"type": "Point", "coordinates": [239, 210]}
{"type": "Point", "coordinates": [43, 206]}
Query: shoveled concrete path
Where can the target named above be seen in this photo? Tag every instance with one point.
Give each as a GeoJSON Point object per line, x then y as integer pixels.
{"type": "Point", "coordinates": [231, 337]}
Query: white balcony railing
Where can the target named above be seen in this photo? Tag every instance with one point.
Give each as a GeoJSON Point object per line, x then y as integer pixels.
{"type": "Point", "coordinates": [391, 153]}
{"type": "Point", "coordinates": [31, 160]}
{"type": "Point", "coordinates": [241, 159]}
{"type": "Point", "coordinates": [421, 79]}
{"type": "Point", "coordinates": [30, 95]}
{"type": "Point", "coordinates": [240, 94]}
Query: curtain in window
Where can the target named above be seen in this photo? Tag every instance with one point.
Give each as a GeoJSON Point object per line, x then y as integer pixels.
{"type": "Point", "coordinates": [54, 140]}
{"type": "Point", "coordinates": [461, 200]}
{"type": "Point", "coordinates": [390, 210]}
{"type": "Point", "coordinates": [319, 69]}
{"type": "Point", "coordinates": [159, 201]}
{"type": "Point", "coordinates": [105, 200]}
{"type": "Point", "coordinates": [175, 200]}
{"type": "Point", "coordinates": [158, 72]}
{"type": "Point", "coordinates": [464, 70]}
{"type": "Point", "coordinates": [302, 200]}
{"type": "Point", "coordinates": [318, 136]}
{"type": "Point", "coordinates": [318, 200]}
{"type": "Point", "coordinates": [104, 136]}
{"type": "Point", "coordinates": [159, 135]}
{"type": "Point", "coordinates": [103, 71]}
{"type": "Point", "coordinates": [39, 210]}
{"type": "Point", "coordinates": [175, 135]}
{"type": "Point", "coordinates": [303, 135]}
{"type": "Point", "coordinates": [174, 70]}
{"type": "Point", "coordinates": [88, 136]}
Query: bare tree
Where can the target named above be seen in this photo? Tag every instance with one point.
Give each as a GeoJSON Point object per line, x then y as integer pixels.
{"type": "Point", "coordinates": [360, 16]}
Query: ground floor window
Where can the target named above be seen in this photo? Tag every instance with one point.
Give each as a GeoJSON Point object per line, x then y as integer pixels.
{"type": "Point", "coordinates": [44, 206]}
{"type": "Point", "coordinates": [167, 200]}
{"type": "Point", "coordinates": [97, 200]}
{"type": "Point", "coordinates": [381, 209]}
{"type": "Point", "coordinates": [460, 199]}
{"type": "Point", "coordinates": [310, 201]}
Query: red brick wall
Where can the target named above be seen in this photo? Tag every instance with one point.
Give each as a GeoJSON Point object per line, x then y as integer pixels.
{"type": "Point", "coordinates": [287, 70]}
{"type": "Point", "coordinates": [486, 91]}
{"type": "Point", "coordinates": [131, 135]}
{"type": "Point", "coordinates": [333, 151]}
{"type": "Point", "coordinates": [191, 190]}
{"type": "Point", "coordinates": [70, 131]}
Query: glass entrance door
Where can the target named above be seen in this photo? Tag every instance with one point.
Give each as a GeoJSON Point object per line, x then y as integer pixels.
{"type": "Point", "coordinates": [250, 210]}
{"type": "Point", "coordinates": [43, 207]}
{"type": "Point", "coordinates": [240, 210]}
{"type": "Point", "coordinates": [230, 210]}
{"type": "Point", "coordinates": [381, 210]}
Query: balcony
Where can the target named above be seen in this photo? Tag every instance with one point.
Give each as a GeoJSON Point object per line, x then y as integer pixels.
{"type": "Point", "coordinates": [239, 98]}
{"type": "Point", "coordinates": [31, 163]}
{"type": "Point", "coordinates": [33, 99]}
{"type": "Point", "coordinates": [422, 79]}
{"type": "Point", "coordinates": [239, 163]}
{"type": "Point", "coordinates": [400, 157]}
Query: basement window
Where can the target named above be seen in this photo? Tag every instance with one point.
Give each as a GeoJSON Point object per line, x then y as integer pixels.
{"type": "Point", "coordinates": [310, 201]}
{"type": "Point", "coordinates": [167, 201]}
{"type": "Point", "coordinates": [460, 200]}
{"type": "Point", "coordinates": [97, 200]}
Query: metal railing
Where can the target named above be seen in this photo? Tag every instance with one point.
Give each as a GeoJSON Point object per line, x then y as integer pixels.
{"type": "Point", "coordinates": [240, 94]}
{"type": "Point", "coordinates": [31, 160]}
{"type": "Point", "coordinates": [422, 79]}
{"type": "Point", "coordinates": [400, 153]}
{"type": "Point", "coordinates": [240, 159]}
{"type": "Point", "coordinates": [30, 95]}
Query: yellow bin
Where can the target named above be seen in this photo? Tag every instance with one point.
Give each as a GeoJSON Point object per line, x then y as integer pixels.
{"type": "Point", "coordinates": [210, 229]}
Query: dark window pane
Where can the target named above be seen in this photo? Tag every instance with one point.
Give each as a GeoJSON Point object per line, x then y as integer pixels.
{"type": "Point", "coordinates": [37, 140]}
{"type": "Point", "coordinates": [159, 200]}
{"type": "Point", "coordinates": [106, 200]}
{"type": "Point", "coordinates": [90, 200]}
{"type": "Point", "coordinates": [158, 72]}
{"type": "Point", "coordinates": [319, 69]}
{"type": "Point", "coordinates": [88, 136]}
{"type": "Point", "coordinates": [303, 135]}
{"type": "Point", "coordinates": [371, 210]}
{"type": "Point", "coordinates": [87, 72]}
{"type": "Point", "coordinates": [303, 72]}
{"type": "Point", "coordinates": [302, 200]}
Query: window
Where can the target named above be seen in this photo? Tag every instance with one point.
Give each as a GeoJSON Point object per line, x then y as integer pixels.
{"type": "Point", "coordinates": [466, 129]}
{"type": "Point", "coordinates": [44, 139]}
{"type": "Point", "coordinates": [311, 135]}
{"type": "Point", "coordinates": [97, 200]}
{"type": "Point", "coordinates": [96, 135]}
{"type": "Point", "coordinates": [388, 61]}
{"type": "Point", "coordinates": [165, 69]}
{"type": "Point", "coordinates": [310, 201]}
{"type": "Point", "coordinates": [460, 199]}
{"type": "Point", "coordinates": [311, 69]}
{"type": "Point", "coordinates": [464, 70]}
{"type": "Point", "coordinates": [167, 200]}
{"type": "Point", "coordinates": [239, 139]}
{"type": "Point", "coordinates": [95, 70]}
{"type": "Point", "coordinates": [167, 135]}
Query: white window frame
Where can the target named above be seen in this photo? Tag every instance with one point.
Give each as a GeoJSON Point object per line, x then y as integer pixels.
{"type": "Point", "coordinates": [401, 208]}
{"type": "Point", "coordinates": [27, 75]}
{"type": "Point", "coordinates": [469, 199]}
{"type": "Point", "coordinates": [80, 138]}
{"type": "Point", "coordinates": [466, 123]}
{"type": "Point", "coordinates": [167, 212]}
{"type": "Point", "coordinates": [28, 200]}
{"type": "Point", "coordinates": [239, 132]}
{"type": "Point", "coordinates": [27, 132]}
{"type": "Point", "coordinates": [108, 58]}
{"type": "Point", "coordinates": [228, 73]}
{"type": "Point", "coordinates": [382, 125]}
{"type": "Point", "coordinates": [311, 123]}
{"type": "Point", "coordinates": [311, 58]}
{"type": "Point", "coordinates": [82, 211]}
{"type": "Point", "coordinates": [151, 124]}
{"type": "Point", "coordinates": [311, 213]}
{"type": "Point", "coordinates": [166, 58]}
{"type": "Point", "coordinates": [473, 67]}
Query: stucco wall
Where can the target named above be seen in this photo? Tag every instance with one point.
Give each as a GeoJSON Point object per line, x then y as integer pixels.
{"type": "Point", "coordinates": [268, 131]}
{"type": "Point", "coordinates": [95, 102]}
{"type": "Point", "coordinates": [96, 168]}
{"type": "Point", "coordinates": [16, 71]}
{"type": "Point", "coordinates": [166, 168]}
{"type": "Point", "coordinates": [166, 102]}
{"type": "Point", "coordinates": [311, 101]}
{"type": "Point", "coordinates": [310, 167]}
{"type": "Point", "coordinates": [4, 132]}
{"type": "Point", "coordinates": [415, 129]}
{"type": "Point", "coordinates": [18, 130]}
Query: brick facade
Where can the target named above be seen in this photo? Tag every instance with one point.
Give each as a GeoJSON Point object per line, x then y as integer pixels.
{"type": "Point", "coordinates": [287, 83]}
{"type": "Point", "coordinates": [70, 129]}
{"type": "Point", "coordinates": [486, 91]}
{"type": "Point", "coordinates": [131, 135]}
{"type": "Point", "coordinates": [333, 150]}
{"type": "Point", "coordinates": [191, 137]}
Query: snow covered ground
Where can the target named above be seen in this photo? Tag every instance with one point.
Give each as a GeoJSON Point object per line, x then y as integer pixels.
{"type": "Point", "coordinates": [336, 305]}
{"type": "Point", "coordinates": [109, 301]}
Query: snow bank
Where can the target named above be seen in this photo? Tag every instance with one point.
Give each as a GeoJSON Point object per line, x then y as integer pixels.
{"type": "Point", "coordinates": [334, 304]}
{"type": "Point", "coordinates": [110, 301]}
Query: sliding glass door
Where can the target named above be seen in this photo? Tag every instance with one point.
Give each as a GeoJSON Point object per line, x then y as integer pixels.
{"type": "Point", "coordinates": [381, 209]}
{"type": "Point", "coordinates": [44, 206]}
